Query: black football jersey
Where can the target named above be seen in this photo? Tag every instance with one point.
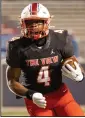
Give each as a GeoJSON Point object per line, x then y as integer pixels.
{"type": "Point", "coordinates": [41, 65]}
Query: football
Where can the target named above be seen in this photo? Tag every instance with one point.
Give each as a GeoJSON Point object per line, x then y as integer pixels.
{"type": "Point", "coordinates": [70, 61]}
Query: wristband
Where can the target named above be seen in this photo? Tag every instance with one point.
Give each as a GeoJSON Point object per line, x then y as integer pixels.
{"type": "Point", "coordinates": [29, 94]}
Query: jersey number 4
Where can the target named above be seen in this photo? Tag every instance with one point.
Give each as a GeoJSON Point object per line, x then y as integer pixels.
{"type": "Point", "coordinates": [43, 76]}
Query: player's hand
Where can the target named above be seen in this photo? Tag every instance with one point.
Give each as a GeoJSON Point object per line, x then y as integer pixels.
{"type": "Point", "coordinates": [72, 73]}
{"type": "Point", "coordinates": [39, 100]}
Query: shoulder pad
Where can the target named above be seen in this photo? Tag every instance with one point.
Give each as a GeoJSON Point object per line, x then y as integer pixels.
{"type": "Point", "coordinates": [59, 31]}
{"type": "Point", "coordinates": [64, 32]}
{"type": "Point", "coordinates": [15, 38]}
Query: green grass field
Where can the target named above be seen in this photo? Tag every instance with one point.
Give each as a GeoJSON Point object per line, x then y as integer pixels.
{"type": "Point", "coordinates": [19, 111]}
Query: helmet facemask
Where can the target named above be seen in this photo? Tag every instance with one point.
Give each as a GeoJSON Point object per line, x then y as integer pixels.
{"type": "Point", "coordinates": [35, 28]}
{"type": "Point", "coordinates": [34, 21]}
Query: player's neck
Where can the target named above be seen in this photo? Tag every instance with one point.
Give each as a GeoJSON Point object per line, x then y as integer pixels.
{"type": "Point", "coordinates": [40, 42]}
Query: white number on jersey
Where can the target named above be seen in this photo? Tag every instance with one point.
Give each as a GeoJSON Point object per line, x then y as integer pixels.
{"type": "Point", "coordinates": [43, 76]}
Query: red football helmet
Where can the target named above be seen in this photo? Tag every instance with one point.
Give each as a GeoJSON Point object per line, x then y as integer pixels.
{"type": "Point", "coordinates": [35, 21]}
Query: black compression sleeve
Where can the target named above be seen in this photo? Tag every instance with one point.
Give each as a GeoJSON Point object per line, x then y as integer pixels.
{"type": "Point", "coordinates": [29, 94]}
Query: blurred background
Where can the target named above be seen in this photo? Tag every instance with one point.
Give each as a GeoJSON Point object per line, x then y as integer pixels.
{"type": "Point", "coordinates": [67, 14]}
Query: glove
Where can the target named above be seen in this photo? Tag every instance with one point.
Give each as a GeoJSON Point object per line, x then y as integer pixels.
{"type": "Point", "coordinates": [74, 74]}
{"type": "Point", "coordinates": [39, 100]}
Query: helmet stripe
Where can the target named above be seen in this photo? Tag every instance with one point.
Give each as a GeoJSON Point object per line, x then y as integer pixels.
{"type": "Point", "coordinates": [34, 8]}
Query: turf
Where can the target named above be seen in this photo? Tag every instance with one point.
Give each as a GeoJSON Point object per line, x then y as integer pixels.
{"type": "Point", "coordinates": [20, 111]}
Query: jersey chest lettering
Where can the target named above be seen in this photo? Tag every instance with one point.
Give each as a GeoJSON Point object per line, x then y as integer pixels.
{"type": "Point", "coordinates": [42, 61]}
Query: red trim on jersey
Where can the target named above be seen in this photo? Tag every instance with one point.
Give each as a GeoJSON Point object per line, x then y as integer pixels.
{"type": "Point", "coordinates": [34, 8]}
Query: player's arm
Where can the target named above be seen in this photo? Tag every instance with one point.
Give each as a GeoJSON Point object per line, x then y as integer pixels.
{"type": "Point", "coordinates": [68, 52]}
{"type": "Point", "coordinates": [13, 73]}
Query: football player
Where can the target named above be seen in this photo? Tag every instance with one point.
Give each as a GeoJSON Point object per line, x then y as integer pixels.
{"type": "Point", "coordinates": [38, 54]}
